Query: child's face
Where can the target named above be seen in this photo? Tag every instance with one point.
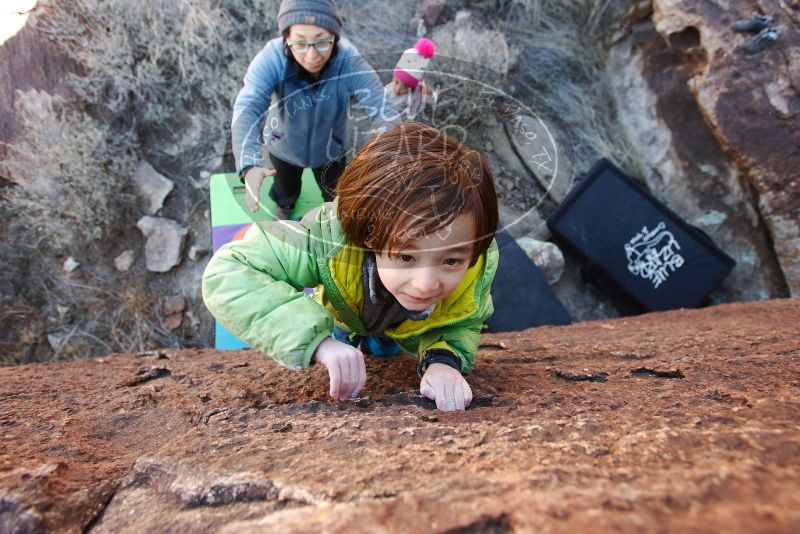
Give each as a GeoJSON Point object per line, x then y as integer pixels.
{"type": "Point", "coordinates": [430, 268]}
{"type": "Point", "coordinates": [399, 87]}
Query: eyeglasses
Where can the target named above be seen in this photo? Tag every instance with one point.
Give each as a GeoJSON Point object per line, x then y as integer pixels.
{"type": "Point", "coordinates": [301, 47]}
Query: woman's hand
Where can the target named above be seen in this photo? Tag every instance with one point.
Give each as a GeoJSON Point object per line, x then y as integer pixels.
{"type": "Point", "coordinates": [446, 386]}
{"type": "Point", "coordinates": [345, 365]}
{"type": "Point", "coordinates": [253, 179]}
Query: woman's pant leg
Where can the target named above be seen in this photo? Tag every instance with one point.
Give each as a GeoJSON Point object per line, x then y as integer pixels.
{"type": "Point", "coordinates": [327, 177]}
{"type": "Point", "coordinates": [286, 187]}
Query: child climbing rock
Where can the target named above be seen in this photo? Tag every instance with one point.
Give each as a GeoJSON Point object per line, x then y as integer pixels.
{"type": "Point", "coordinates": [405, 254]}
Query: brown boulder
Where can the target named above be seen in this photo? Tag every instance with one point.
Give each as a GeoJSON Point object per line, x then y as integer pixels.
{"type": "Point", "coordinates": [684, 420]}
{"type": "Point", "coordinates": [752, 104]}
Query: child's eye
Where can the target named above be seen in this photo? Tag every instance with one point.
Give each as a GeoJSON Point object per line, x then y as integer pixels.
{"type": "Point", "coordinates": [405, 258]}
{"type": "Point", "coordinates": [453, 261]}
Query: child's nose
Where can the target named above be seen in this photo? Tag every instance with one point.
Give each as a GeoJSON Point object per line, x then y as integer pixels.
{"type": "Point", "coordinates": [426, 281]}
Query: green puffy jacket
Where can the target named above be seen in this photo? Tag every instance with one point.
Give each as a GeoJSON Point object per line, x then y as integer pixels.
{"type": "Point", "coordinates": [254, 287]}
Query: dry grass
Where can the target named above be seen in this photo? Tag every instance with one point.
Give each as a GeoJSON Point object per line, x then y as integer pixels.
{"type": "Point", "coordinates": [157, 82]}
{"type": "Point", "coordinates": [561, 73]}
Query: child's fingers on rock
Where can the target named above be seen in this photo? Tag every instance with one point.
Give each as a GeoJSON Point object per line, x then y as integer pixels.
{"type": "Point", "coordinates": [458, 394]}
{"type": "Point", "coordinates": [336, 380]}
{"type": "Point", "coordinates": [426, 390]}
{"type": "Point", "coordinates": [467, 393]}
{"type": "Point", "coordinates": [361, 375]}
{"type": "Point", "coordinates": [352, 377]}
{"type": "Point", "coordinates": [441, 397]}
{"type": "Point", "coordinates": [450, 394]}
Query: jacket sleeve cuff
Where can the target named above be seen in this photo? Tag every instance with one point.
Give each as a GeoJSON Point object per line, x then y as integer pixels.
{"type": "Point", "coordinates": [438, 356]}
{"type": "Point", "coordinates": [244, 171]}
{"type": "Point", "coordinates": [312, 347]}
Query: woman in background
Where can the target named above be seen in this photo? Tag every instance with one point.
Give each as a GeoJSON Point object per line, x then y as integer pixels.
{"type": "Point", "coordinates": [297, 92]}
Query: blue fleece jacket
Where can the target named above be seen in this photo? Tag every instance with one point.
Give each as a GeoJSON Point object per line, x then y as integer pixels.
{"type": "Point", "coordinates": [303, 123]}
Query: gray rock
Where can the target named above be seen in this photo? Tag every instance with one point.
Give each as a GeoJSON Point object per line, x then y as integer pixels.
{"type": "Point", "coordinates": [463, 41]}
{"type": "Point", "coordinates": [124, 261]}
{"type": "Point", "coordinates": [547, 257]}
{"type": "Point", "coordinates": [152, 187]}
{"type": "Point", "coordinates": [165, 240]}
{"type": "Point", "coordinates": [70, 264]}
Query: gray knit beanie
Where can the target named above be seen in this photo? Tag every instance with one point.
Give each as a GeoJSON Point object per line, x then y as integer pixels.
{"type": "Point", "coordinates": [320, 13]}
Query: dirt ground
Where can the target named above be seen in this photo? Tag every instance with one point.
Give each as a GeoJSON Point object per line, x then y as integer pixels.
{"type": "Point", "coordinates": [681, 421]}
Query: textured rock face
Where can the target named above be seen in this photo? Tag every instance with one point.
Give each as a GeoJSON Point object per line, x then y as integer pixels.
{"type": "Point", "coordinates": [752, 104]}
{"type": "Point", "coordinates": [683, 164]}
{"type": "Point", "coordinates": [672, 421]}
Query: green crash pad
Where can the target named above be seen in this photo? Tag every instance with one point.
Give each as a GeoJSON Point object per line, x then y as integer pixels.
{"type": "Point", "coordinates": [228, 200]}
{"type": "Point", "coordinates": [230, 216]}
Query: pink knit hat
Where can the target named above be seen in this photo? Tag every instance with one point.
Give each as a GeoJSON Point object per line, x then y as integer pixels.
{"type": "Point", "coordinates": [411, 67]}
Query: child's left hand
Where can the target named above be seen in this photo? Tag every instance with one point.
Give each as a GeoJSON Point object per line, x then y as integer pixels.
{"type": "Point", "coordinates": [446, 386]}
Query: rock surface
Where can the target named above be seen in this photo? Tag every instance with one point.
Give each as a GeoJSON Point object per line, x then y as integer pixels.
{"type": "Point", "coordinates": [683, 164]}
{"type": "Point", "coordinates": [676, 421]}
{"type": "Point", "coordinates": [752, 104]}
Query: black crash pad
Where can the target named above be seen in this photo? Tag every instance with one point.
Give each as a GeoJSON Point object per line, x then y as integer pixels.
{"type": "Point", "coordinates": [521, 295]}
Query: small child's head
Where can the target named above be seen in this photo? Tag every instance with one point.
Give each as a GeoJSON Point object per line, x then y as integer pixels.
{"type": "Point", "coordinates": [410, 69]}
{"type": "Point", "coordinates": [425, 204]}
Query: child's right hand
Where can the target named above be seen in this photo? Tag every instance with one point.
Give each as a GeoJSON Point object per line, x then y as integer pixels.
{"type": "Point", "coordinates": [252, 183]}
{"type": "Point", "coordinates": [345, 365]}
